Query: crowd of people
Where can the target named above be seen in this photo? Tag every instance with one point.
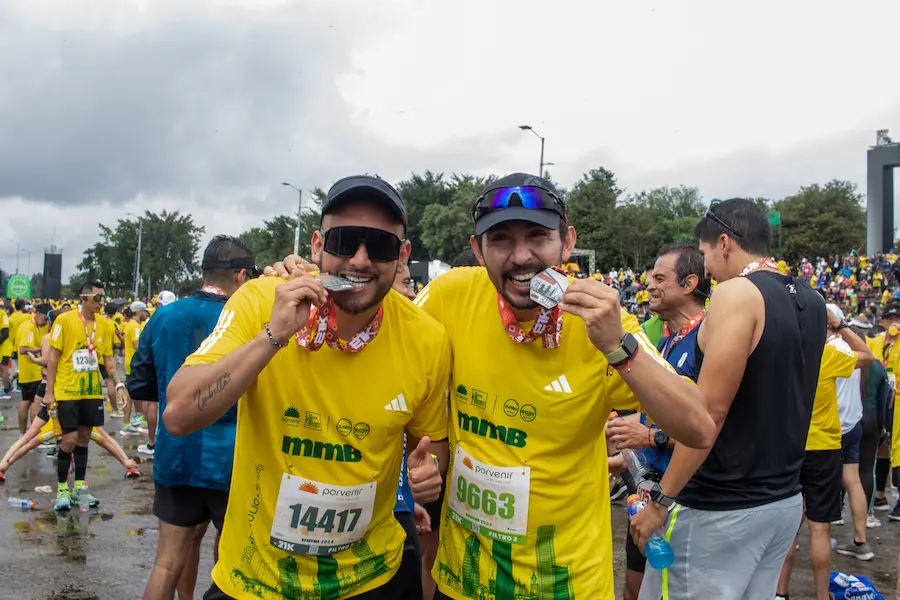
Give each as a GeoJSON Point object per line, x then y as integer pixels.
{"type": "Point", "coordinates": [351, 436]}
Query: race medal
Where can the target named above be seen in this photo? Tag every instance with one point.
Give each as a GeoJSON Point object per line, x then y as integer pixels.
{"type": "Point", "coordinates": [548, 286]}
{"type": "Point", "coordinates": [319, 518]}
{"type": "Point", "coordinates": [333, 283]}
{"type": "Point", "coordinates": [84, 361]}
{"type": "Point", "coordinates": [491, 501]}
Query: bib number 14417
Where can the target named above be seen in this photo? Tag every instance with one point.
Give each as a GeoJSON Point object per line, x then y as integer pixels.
{"type": "Point", "coordinates": [489, 500]}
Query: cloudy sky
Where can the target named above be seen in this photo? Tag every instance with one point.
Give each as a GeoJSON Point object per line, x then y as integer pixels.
{"type": "Point", "coordinates": [205, 106]}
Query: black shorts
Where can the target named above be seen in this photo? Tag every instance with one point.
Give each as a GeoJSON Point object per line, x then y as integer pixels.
{"type": "Point", "coordinates": [29, 390]}
{"type": "Point", "coordinates": [821, 478]}
{"type": "Point", "coordinates": [187, 506]}
{"type": "Point", "coordinates": [408, 521]}
{"type": "Point", "coordinates": [4, 361]}
{"type": "Point", "coordinates": [43, 414]}
{"type": "Point", "coordinates": [104, 374]}
{"type": "Point", "coordinates": [404, 585]}
{"type": "Point", "coordinates": [79, 413]}
{"type": "Point", "coordinates": [42, 390]}
{"type": "Point", "coordinates": [434, 508]}
{"type": "Point", "coordinates": [634, 560]}
{"type": "Point", "coordinates": [850, 444]}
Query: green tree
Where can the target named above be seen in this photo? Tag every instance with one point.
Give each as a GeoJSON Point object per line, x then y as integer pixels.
{"type": "Point", "coordinates": [419, 192]}
{"type": "Point", "coordinates": [169, 245]}
{"type": "Point", "coordinates": [822, 220]}
{"type": "Point", "coordinates": [37, 285]}
{"type": "Point", "coordinates": [446, 228]}
{"type": "Point", "coordinates": [275, 239]}
{"type": "Point", "coordinates": [591, 203]}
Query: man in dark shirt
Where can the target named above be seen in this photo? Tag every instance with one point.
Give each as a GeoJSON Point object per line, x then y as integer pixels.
{"type": "Point", "coordinates": [739, 504]}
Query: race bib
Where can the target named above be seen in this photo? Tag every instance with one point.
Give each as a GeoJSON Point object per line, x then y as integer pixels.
{"type": "Point", "coordinates": [318, 518]}
{"type": "Point", "coordinates": [84, 361]}
{"type": "Point", "coordinates": [491, 501]}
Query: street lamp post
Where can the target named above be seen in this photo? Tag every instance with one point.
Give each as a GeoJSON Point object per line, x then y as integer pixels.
{"type": "Point", "coordinates": [299, 214]}
{"type": "Point", "coordinates": [136, 280]}
{"type": "Point", "coordinates": [529, 128]}
{"type": "Point", "coordinates": [19, 251]}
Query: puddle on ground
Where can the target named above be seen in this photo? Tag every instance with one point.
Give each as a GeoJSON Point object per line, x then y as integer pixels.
{"type": "Point", "coordinates": [22, 526]}
{"type": "Point", "coordinates": [99, 469]}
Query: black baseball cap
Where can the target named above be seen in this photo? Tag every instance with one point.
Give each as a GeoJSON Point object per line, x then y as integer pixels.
{"type": "Point", "coordinates": [365, 187]}
{"type": "Point", "coordinates": [891, 310]}
{"type": "Point", "coordinates": [549, 218]}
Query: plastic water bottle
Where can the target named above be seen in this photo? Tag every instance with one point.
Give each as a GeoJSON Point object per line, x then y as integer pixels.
{"type": "Point", "coordinates": [657, 549]}
{"type": "Point", "coordinates": [636, 469]}
{"type": "Point", "coordinates": [22, 503]}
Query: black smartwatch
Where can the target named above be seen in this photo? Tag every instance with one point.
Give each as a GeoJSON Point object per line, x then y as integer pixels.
{"type": "Point", "coordinates": [621, 355]}
{"type": "Point", "coordinates": [656, 495]}
{"type": "Point", "coordinates": [661, 439]}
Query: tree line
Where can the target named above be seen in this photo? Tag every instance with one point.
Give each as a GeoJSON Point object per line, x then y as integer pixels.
{"type": "Point", "coordinates": [622, 228]}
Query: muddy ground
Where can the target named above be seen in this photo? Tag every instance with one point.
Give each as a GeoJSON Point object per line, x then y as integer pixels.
{"type": "Point", "coordinates": [107, 554]}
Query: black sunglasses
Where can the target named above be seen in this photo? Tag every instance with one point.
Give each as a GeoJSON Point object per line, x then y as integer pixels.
{"type": "Point", "coordinates": [711, 215]}
{"type": "Point", "coordinates": [344, 242]}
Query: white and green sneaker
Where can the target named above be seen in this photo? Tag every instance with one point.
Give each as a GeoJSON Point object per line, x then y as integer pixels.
{"type": "Point", "coordinates": [82, 496]}
{"type": "Point", "coordinates": [63, 498]}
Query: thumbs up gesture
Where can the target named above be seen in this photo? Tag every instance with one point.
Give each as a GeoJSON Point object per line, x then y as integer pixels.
{"type": "Point", "coordinates": [424, 475]}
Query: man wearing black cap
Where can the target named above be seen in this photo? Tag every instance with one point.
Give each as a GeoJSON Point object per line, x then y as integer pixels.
{"type": "Point", "coordinates": [328, 370]}
{"type": "Point", "coordinates": [527, 499]}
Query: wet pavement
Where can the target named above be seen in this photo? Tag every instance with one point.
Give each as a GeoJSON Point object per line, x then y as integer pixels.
{"type": "Point", "coordinates": [107, 553]}
{"type": "Point", "coordinates": [104, 554]}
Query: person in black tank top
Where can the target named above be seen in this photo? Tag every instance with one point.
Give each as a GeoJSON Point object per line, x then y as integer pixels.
{"type": "Point", "coordinates": [738, 505]}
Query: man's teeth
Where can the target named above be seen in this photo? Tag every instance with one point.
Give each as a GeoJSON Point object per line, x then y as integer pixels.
{"type": "Point", "coordinates": [523, 277]}
{"type": "Point", "coordinates": [357, 281]}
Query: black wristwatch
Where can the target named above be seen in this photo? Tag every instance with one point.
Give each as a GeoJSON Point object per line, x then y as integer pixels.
{"type": "Point", "coordinates": [621, 355]}
{"type": "Point", "coordinates": [661, 438]}
{"type": "Point", "coordinates": [656, 495]}
{"type": "Point", "coordinates": [844, 325]}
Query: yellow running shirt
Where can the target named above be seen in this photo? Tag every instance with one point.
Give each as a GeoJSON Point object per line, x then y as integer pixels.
{"type": "Point", "coordinates": [526, 513]}
{"type": "Point", "coordinates": [6, 348]}
{"type": "Point", "coordinates": [69, 337]}
{"type": "Point", "coordinates": [132, 335]}
{"type": "Point", "coordinates": [28, 335]}
{"type": "Point", "coordinates": [825, 425]}
{"type": "Point", "coordinates": [319, 443]}
{"type": "Point", "coordinates": [16, 319]}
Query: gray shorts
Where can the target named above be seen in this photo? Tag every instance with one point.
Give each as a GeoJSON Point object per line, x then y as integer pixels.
{"type": "Point", "coordinates": [727, 555]}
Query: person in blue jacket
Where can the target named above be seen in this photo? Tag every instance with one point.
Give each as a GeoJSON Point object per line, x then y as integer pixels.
{"type": "Point", "coordinates": [192, 473]}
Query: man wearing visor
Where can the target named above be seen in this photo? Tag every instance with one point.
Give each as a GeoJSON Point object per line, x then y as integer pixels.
{"type": "Point", "coordinates": [531, 391]}
{"type": "Point", "coordinates": [329, 369]}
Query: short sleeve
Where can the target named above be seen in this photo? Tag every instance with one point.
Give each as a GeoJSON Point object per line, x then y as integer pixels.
{"type": "Point", "coordinates": [840, 363]}
{"type": "Point", "coordinates": [4, 320]}
{"type": "Point", "coordinates": [57, 337]}
{"type": "Point", "coordinates": [620, 395]}
{"type": "Point", "coordinates": [429, 299]}
{"type": "Point", "coordinates": [430, 417]}
{"type": "Point", "coordinates": [239, 322]}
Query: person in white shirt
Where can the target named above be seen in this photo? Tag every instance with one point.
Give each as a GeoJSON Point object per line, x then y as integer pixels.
{"type": "Point", "coordinates": [850, 411]}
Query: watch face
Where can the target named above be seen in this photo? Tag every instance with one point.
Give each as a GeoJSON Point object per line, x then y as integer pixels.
{"type": "Point", "coordinates": [630, 344]}
{"type": "Point", "coordinates": [660, 437]}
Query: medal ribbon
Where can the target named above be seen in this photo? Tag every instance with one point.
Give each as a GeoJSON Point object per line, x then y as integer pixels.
{"type": "Point", "coordinates": [759, 263]}
{"type": "Point", "coordinates": [547, 326]}
{"type": "Point", "coordinates": [322, 328]}
{"type": "Point", "coordinates": [89, 338]}
{"type": "Point", "coordinates": [682, 333]}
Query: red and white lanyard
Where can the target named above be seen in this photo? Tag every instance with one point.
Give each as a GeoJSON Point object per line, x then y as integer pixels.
{"type": "Point", "coordinates": [682, 333]}
{"type": "Point", "coordinates": [759, 263]}
{"type": "Point", "coordinates": [322, 328]}
{"type": "Point", "coordinates": [211, 289]}
{"type": "Point", "coordinates": [89, 338]}
{"type": "Point", "coordinates": [548, 325]}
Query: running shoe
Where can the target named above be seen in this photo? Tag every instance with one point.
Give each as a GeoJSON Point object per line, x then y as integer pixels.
{"type": "Point", "coordinates": [132, 473]}
{"type": "Point", "coordinates": [47, 445]}
{"type": "Point", "coordinates": [5, 396]}
{"type": "Point", "coordinates": [863, 552]}
{"type": "Point", "coordinates": [116, 414]}
{"type": "Point", "coordinates": [83, 496]}
{"type": "Point", "coordinates": [144, 423]}
{"type": "Point", "coordinates": [146, 449]}
{"type": "Point", "coordinates": [63, 499]}
{"type": "Point", "coordinates": [894, 515]}
{"type": "Point", "coordinates": [882, 504]}
{"type": "Point", "coordinates": [617, 489]}
{"type": "Point", "coordinates": [872, 522]}
{"type": "Point", "coordinates": [838, 521]}
{"type": "Point", "coordinates": [130, 430]}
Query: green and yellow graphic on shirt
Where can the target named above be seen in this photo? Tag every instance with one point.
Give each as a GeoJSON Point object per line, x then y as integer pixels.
{"type": "Point", "coordinates": [489, 576]}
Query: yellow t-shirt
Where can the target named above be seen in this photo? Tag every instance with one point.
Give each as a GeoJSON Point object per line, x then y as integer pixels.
{"type": "Point", "coordinates": [29, 334]}
{"type": "Point", "coordinates": [526, 511]}
{"type": "Point", "coordinates": [69, 337]}
{"type": "Point", "coordinates": [317, 429]}
{"type": "Point", "coordinates": [132, 335]}
{"type": "Point", "coordinates": [825, 425]}
{"type": "Point", "coordinates": [6, 348]}
{"type": "Point", "coordinates": [16, 319]}
{"type": "Point", "coordinates": [876, 280]}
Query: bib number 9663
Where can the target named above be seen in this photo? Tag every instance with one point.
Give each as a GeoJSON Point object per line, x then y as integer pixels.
{"type": "Point", "coordinates": [487, 501]}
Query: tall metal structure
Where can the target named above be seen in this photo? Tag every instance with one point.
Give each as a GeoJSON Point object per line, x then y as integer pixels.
{"type": "Point", "coordinates": [881, 160]}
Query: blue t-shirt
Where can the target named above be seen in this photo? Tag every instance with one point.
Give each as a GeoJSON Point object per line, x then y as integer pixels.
{"type": "Point", "coordinates": [405, 500]}
{"type": "Point", "coordinates": [683, 357]}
